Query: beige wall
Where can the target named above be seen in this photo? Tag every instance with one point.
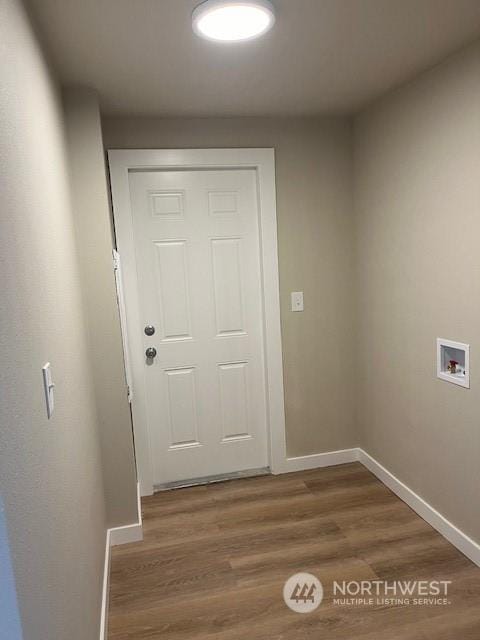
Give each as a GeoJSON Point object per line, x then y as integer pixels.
{"type": "Point", "coordinates": [416, 277]}
{"type": "Point", "coordinates": [313, 170]}
{"type": "Point", "coordinates": [94, 238]}
{"type": "Point", "coordinates": [417, 196]}
{"type": "Point", "coordinates": [50, 471]}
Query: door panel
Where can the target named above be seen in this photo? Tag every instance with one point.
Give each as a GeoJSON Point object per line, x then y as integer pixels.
{"type": "Point", "coordinates": [234, 400]}
{"type": "Point", "coordinates": [197, 251]}
{"type": "Point", "coordinates": [172, 290]}
{"type": "Point", "coordinates": [182, 407]}
{"type": "Point", "coordinates": [227, 283]}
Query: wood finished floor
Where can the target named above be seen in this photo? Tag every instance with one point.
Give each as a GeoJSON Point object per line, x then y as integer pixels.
{"type": "Point", "coordinates": [214, 560]}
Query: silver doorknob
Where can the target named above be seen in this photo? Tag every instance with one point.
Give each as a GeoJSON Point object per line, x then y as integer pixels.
{"type": "Point", "coordinates": [151, 352]}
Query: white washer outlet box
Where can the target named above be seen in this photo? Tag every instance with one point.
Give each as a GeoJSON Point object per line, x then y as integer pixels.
{"type": "Point", "coordinates": [453, 362]}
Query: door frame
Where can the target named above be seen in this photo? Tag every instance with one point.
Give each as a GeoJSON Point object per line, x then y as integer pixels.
{"type": "Point", "coordinates": [121, 162]}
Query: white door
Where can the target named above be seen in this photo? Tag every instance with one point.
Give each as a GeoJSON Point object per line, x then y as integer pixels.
{"type": "Point", "coordinates": [196, 241]}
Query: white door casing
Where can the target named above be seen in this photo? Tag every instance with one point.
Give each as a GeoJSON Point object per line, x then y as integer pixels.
{"type": "Point", "coordinates": [196, 230]}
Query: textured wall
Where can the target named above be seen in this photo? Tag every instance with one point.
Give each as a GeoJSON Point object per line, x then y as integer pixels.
{"type": "Point", "coordinates": [92, 222]}
{"type": "Point", "coordinates": [417, 196]}
{"type": "Point", "coordinates": [50, 471]}
{"type": "Point", "coordinates": [313, 172]}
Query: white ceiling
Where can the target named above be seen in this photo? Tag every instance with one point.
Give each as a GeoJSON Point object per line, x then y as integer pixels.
{"type": "Point", "coordinates": [322, 56]}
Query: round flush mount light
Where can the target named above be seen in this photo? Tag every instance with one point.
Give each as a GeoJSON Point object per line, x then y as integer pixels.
{"type": "Point", "coordinates": [232, 20]}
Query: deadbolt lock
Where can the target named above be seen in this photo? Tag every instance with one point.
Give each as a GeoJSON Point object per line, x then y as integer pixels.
{"type": "Point", "coordinates": [151, 352]}
{"type": "Point", "coordinates": [149, 330]}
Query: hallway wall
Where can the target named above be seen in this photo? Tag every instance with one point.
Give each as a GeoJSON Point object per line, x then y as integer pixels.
{"type": "Point", "coordinates": [315, 235]}
{"type": "Point", "coordinates": [417, 197]}
{"type": "Point", "coordinates": [94, 240]}
{"type": "Point", "coordinates": [50, 470]}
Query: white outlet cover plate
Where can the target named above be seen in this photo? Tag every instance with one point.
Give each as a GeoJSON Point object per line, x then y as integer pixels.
{"type": "Point", "coordinates": [297, 300]}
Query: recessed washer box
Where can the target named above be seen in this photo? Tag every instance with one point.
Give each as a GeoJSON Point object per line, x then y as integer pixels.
{"type": "Point", "coordinates": [453, 362]}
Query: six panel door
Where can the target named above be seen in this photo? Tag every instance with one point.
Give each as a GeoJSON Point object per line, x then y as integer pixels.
{"type": "Point", "coordinates": [197, 249]}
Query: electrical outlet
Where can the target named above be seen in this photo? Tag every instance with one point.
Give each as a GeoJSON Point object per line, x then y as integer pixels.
{"type": "Point", "coordinates": [297, 300]}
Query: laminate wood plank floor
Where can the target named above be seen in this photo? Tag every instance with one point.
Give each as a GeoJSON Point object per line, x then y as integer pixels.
{"type": "Point", "coordinates": [214, 560]}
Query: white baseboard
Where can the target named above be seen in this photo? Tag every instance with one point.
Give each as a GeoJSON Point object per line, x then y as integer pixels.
{"type": "Point", "coordinates": [126, 534]}
{"type": "Point", "coordinates": [129, 532]}
{"type": "Point", "coordinates": [470, 548]}
{"type": "Point", "coordinates": [317, 460]}
{"type": "Point", "coordinates": [105, 590]}
{"type": "Point", "coordinates": [448, 530]}
{"type": "Point", "coordinates": [117, 535]}
{"type": "Point", "coordinates": [453, 534]}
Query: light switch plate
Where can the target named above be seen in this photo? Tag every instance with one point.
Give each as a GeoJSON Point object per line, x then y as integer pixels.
{"type": "Point", "coordinates": [48, 387]}
{"type": "Point", "coordinates": [297, 300]}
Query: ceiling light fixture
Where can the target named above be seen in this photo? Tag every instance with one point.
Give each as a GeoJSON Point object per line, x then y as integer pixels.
{"type": "Point", "coordinates": [232, 20]}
